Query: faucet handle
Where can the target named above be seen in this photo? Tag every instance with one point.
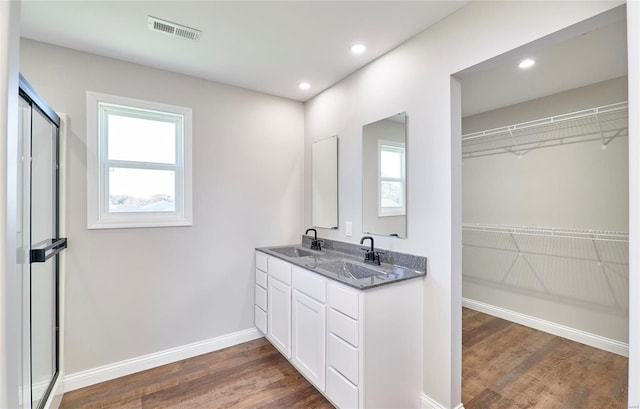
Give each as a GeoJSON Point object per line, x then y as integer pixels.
{"type": "Point", "coordinates": [368, 250]}
{"type": "Point", "coordinates": [372, 257]}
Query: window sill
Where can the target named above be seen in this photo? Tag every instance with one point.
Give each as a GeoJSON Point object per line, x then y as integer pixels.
{"type": "Point", "coordinates": [134, 224]}
{"type": "Point", "coordinates": [392, 214]}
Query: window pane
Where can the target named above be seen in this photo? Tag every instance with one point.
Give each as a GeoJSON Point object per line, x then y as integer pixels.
{"type": "Point", "coordinates": [390, 164]}
{"type": "Point", "coordinates": [141, 140]}
{"type": "Point", "coordinates": [391, 194]}
{"type": "Point", "coordinates": [141, 190]}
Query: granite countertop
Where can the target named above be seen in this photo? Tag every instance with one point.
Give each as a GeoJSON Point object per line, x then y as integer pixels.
{"type": "Point", "coordinates": [344, 266]}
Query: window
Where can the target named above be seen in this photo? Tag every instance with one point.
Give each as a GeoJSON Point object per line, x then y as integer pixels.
{"type": "Point", "coordinates": [138, 163]}
{"type": "Point", "coordinates": [391, 179]}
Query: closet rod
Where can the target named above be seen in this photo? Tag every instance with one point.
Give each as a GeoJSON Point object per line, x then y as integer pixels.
{"type": "Point", "coordinates": [599, 235]}
{"type": "Point", "coordinates": [585, 113]}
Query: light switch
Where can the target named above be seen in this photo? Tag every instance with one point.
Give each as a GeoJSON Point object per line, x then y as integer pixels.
{"type": "Point", "coordinates": [348, 229]}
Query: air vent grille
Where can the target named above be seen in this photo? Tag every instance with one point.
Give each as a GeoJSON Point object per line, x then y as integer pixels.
{"type": "Point", "coordinates": [173, 29]}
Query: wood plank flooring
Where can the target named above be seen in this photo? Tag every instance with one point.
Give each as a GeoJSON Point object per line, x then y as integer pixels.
{"type": "Point", "coordinates": [249, 375]}
{"type": "Point", "coordinates": [510, 366]}
{"type": "Point", "coordinates": [504, 366]}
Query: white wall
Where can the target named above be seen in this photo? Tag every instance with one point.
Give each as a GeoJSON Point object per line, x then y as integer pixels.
{"type": "Point", "coordinates": [416, 78]}
{"type": "Point", "coordinates": [10, 283]}
{"type": "Point", "coordinates": [633, 45]}
{"type": "Point", "coordinates": [132, 292]}
{"type": "Point", "coordinates": [579, 186]}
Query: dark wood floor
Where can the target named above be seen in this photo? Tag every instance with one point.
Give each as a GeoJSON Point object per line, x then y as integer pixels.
{"type": "Point", "coordinates": [509, 366]}
{"type": "Point", "coordinates": [250, 375]}
{"type": "Point", "coordinates": [504, 366]}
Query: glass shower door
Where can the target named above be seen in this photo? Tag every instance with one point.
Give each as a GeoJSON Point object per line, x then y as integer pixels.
{"type": "Point", "coordinates": [44, 271]}
{"type": "Point", "coordinates": [38, 235]}
{"type": "Point", "coordinates": [24, 243]}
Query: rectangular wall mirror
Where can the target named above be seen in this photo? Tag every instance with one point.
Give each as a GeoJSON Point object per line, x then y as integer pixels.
{"type": "Point", "coordinates": [384, 177]}
{"type": "Point", "coordinates": [324, 183]}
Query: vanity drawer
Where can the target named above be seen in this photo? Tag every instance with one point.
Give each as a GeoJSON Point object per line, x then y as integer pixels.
{"type": "Point", "coordinates": [280, 269]}
{"type": "Point", "coordinates": [344, 327]}
{"type": "Point", "coordinates": [310, 284]}
{"type": "Point", "coordinates": [341, 392]}
{"type": "Point", "coordinates": [343, 300]}
{"type": "Point", "coordinates": [261, 261]}
{"type": "Point", "coordinates": [261, 319]}
{"type": "Point", "coordinates": [344, 358]}
{"type": "Point", "coordinates": [261, 278]}
{"type": "Point", "coordinates": [261, 297]}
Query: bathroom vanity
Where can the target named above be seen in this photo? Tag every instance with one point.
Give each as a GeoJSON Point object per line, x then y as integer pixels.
{"type": "Point", "coordinates": [353, 330]}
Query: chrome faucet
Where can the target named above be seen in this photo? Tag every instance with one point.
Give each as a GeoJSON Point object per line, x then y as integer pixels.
{"type": "Point", "coordinates": [371, 256]}
{"type": "Point", "coordinates": [315, 243]}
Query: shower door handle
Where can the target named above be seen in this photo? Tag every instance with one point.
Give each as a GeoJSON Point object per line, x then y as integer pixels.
{"type": "Point", "coordinates": [45, 253]}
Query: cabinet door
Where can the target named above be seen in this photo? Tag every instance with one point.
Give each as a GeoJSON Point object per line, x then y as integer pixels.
{"type": "Point", "coordinates": [279, 313]}
{"type": "Point", "coordinates": [309, 326]}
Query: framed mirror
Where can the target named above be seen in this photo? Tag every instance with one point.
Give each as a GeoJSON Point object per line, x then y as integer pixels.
{"type": "Point", "coordinates": [384, 176]}
{"type": "Point", "coordinates": [324, 183]}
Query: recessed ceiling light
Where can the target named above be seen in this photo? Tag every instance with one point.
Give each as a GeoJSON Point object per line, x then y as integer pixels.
{"type": "Point", "coordinates": [527, 63]}
{"type": "Point", "coordinates": [358, 48]}
{"type": "Point", "coordinates": [304, 85]}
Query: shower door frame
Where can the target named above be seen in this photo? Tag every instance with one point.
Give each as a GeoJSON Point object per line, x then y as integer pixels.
{"type": "Point", "coordinates": [53, 396]}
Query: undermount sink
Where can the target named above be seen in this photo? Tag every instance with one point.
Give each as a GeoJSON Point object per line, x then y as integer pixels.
{"type": "Point", "coordinates": [355, 271]}
{"type": "Point", "coordinates": [294, 252]}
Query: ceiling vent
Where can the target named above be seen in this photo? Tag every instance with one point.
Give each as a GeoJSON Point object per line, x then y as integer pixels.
{"type": "Point", "coordinates": [173, 29]}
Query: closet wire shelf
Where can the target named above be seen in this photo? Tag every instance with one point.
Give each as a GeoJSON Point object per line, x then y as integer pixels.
{"type": "Point", "coordinates": [604, 123]}
{"type": "Point", "coordinates": [577, 234]}
{"type": "Point", "coordinates": [589, 268]}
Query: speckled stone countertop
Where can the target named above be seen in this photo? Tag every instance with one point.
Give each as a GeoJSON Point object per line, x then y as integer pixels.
{"type": "Point", "coordinates": [344, 262]}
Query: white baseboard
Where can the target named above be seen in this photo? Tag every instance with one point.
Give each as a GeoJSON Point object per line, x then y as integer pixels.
{"type": "Point", "coordinates": [428, 403]}
{"type": "Point", "coordinates": [573, 334]}
{"type": "Point", "coordinates": [111, 371]}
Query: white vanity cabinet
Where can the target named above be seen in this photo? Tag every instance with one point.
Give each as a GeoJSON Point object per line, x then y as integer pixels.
{"type": "Point", "coordinates": [361, 349]}
{"type": "Point", "coordinates": [309, 323]}
{"type": "Point", "coordinates": [260, 306]}
{"type": "Point", "coordinates": [279, 302]}
{"type": "Point", "coordinates": [374, 357]}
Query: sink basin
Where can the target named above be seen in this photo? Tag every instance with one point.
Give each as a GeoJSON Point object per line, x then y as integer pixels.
{"type": "Point", "coordinates": [294, 252]}
{"type": "Point", "coordinates": [351, 270]}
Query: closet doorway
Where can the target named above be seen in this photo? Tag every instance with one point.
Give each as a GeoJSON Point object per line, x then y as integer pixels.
{"type": "Point", "coordinates": [545, 200]}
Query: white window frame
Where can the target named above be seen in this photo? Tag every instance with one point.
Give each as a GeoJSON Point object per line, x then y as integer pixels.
{"type": "Point", "coordinates": [98, 215]}
{"type": "Point", "coordinates": [400, 210]}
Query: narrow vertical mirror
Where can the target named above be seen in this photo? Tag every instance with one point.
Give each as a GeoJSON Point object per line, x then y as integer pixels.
{"type": "Point", "coordinates": [384, 177]}
{"type": "Point", "coordinates": [324, 183]}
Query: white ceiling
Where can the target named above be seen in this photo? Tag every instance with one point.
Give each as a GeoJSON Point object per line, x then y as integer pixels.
{"type": "Point", "coordinates": [271, 46]}
{"type": "Point", "coordinates": [589, 52]}
{"type": "Point", "coordinates": [268, 46]}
